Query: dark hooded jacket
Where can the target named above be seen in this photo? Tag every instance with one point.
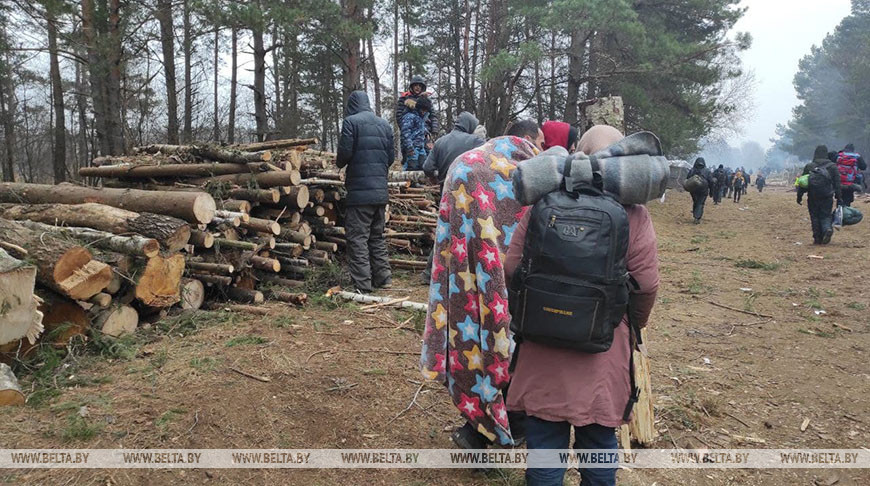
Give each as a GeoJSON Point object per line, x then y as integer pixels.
{"type": "Point", "coordinates": [821, 161]}
{"type": "Point", "coordinates": [366, 148]}
{"type": "Point", "coordinates": [452, 145]}
{"type": "Point", "coordinates": [433, 126]}
{"type": "Point", "coordinates": [700, 168]}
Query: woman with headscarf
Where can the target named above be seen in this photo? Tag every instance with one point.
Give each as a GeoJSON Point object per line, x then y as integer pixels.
{"type": "Point", "coordinates": [560, 134]}
{"type": "Point", "coordinates": [560, 389]}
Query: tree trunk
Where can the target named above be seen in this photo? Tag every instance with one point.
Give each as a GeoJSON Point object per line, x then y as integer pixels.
{"type": "Point", "coordinates": [8, 109]}
{"type": "Point", "coordinates": [62, 266]}
{"type": "Point", "coordinates": [216, 136]}
{"type": "Point", "coordinates": [187, 46]}
{"type": "Point", "coordinates": [171, 233]}
{"type": "Point", "coordinates": [168, 170]}
{"type": "Point", "coordinates": [20, 315]}
{"type": "Point", "coordinates": [134, 245]}
{"type": "Point", "coordinates": [220, 154]}
{"type": "Point", "coordinates": [373, 66]}
{"type": "Point", "coordinates": [352, 12]}
{"type": "Point", "coordinates": [193, 207]}
{"type": "Point", "coordinates": [260, 84]}
{"type": "Point", "coordinates": [277, 178]}
{"type": "Point", "coordinates": [114, 55]}
{"type": "Point", "coordinates": [231, 122]}
{"type": "Point", "coordinates": [167, 42]}
{"type": "Point", "coordinates": [576, 57]}
{"type": "Point", "coordinates": [59, 155]}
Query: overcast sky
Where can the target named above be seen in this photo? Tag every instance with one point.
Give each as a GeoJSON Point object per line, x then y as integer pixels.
{"type": "Point", "coordinates": [783, 31]}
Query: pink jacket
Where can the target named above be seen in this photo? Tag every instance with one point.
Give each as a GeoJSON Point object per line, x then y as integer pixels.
{"type": "Point", "coordinates": [563, 385]}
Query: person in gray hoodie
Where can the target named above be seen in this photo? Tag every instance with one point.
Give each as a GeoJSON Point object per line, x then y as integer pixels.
{"type": "Point", "coordinates": [460, 140]}
{"type": "Point", "coordinates": [452, 145]}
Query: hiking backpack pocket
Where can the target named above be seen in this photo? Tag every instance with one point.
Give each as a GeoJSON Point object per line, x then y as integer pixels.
{"type": "Point", "coordinates": [564, 315]}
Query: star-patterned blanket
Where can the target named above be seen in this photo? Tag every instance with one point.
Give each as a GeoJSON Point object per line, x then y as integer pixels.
{"type": "Point", "coordinates": [467, 343]}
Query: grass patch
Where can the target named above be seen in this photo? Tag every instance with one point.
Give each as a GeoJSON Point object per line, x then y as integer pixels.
{"type": "Point", "coordinates": [418, 320]}
{"type": "Point", "coordinates": [757, 265]}
{"type": "Point", "coordinates": [821, 334]}
{"type": "Point", "coordinates": [168, 416]}
{"type": "Point", "coordinates": [696, 286]}
{"type": "Point", "coordinates": [188, 323]}
{"type": "Point", "coordinates": [78, 428]}
{"type": "Point", "coordinates": [726, 235]}
{"type": "Point", "coordinates": [245, 340]}
{"type": "Point", "coordinates": [283, 321]}
{"type": "Point", "coordinates": [374, 372]}
{"type": "Point", "coordinates": [856, 306]}
{"type": "Point", "coordinates": [749, 302]}
{"type": "Point", "coordinates": [204, 364]}
{"type": "Point", "coordinates": [323, 277]}
{"type": "Point", "coordinates": [698, 239]}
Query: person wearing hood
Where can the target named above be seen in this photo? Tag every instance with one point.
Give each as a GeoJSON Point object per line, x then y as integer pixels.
{"type": "Point", "coordinates": [445, 151]}
{"type": "Point", "coordinates": [560, 134]}
{"type": "Point", "coordinates": [408, 101]}
{"type": "Point", "coordinates": [823, 187]}
{"type": "Point", "coordinates": [366, 148]}
{"type": "Point", "coordinates": [460, 140]}
{"type": "Point", "coordinates": [699, 197]}
{"type": "Point", "coordinates": [562, 389]}
{"type": "Point", "coordinates": [718, 184]}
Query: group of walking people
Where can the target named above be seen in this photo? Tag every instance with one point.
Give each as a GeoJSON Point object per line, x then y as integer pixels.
{"type": "Point", "coordinates": [830, 178]}
{"type": "Point", "coordinates": [722, 182]}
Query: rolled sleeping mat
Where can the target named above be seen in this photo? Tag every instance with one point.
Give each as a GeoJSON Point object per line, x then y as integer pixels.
{"type": "Point", "coordinates": [632, 170]}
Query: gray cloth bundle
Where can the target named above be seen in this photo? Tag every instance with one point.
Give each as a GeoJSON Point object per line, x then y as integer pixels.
{"type": "Point", "coordinates": [633, 170]}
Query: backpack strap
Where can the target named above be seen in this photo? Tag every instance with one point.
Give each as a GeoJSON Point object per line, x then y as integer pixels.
{"type": "Point", "coordinates": [567, 180]}
{"type": "Point", "coordinates": [511, 367]}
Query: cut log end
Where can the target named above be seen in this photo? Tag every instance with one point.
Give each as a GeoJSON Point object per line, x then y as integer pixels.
{"type": "Point", "coordinates": [204, 208]}
{"type": "Point", "coordinates": [192, 294]}
{"type": "Point", "coordinates": [10, 392]}
{"type": "Point", "coordinates": [160, 281]}
{"type": "Point", "coordinates": [79, 276]}
{"type": "Point", "coordinates": [118, 321]}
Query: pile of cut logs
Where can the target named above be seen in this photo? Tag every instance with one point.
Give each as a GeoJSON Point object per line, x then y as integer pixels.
{"type": "Point", "coordinates": [184, 225]}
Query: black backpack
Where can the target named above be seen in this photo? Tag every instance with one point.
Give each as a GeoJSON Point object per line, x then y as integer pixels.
{"type": "Point", "coordinates": [571, 289]}
{"type": "Point", "coordinates": [820, 184]}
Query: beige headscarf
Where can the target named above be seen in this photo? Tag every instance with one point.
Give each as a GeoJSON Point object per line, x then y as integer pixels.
{"type": "Point", "coordinates": [597, 138]}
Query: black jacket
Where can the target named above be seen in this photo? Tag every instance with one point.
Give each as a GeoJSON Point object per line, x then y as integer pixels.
{"type": "Point", "coordinates": [833, 174]}
{"type": "Point", "coordinates": [452, 145]}
{"type": "Point", "coordinates": [433, 126]}
{"type": "Point", "coordinates": [366, 148]}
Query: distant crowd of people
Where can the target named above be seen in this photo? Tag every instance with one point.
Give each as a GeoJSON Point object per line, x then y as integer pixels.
{"type": "Point", "coordinates": [722, 182]}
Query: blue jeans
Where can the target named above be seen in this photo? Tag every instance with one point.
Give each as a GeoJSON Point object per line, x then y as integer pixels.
{"type": "Point", "coordinates": [541, 434]}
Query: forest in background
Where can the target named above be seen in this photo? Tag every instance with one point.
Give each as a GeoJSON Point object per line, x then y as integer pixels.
{"type": "Point", "coordinates": [85, 78]}
{"type": "Point", "coordinates": [833, 87]}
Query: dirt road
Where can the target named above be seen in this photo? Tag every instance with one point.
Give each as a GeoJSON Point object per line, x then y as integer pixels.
{"type": "Point", "coordinates": [722, 378]}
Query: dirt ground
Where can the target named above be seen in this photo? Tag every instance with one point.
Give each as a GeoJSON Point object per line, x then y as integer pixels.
{"type": "Point", "coordinates": [721, 378]}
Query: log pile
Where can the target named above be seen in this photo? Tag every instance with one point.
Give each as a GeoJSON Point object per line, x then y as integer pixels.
{"type": "Point", "coordinates": [169, 225]}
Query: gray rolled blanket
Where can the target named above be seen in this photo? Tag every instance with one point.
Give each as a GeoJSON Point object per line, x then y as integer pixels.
{"type": "Point", "coordinates": [633, 170]}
